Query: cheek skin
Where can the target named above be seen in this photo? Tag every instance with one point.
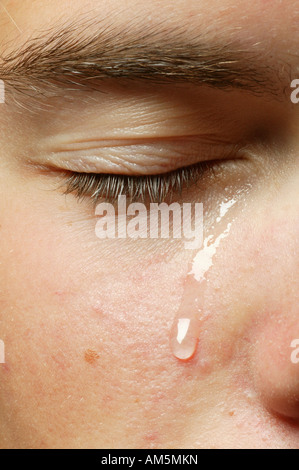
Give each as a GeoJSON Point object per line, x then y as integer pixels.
{"type": "Point", "coordinates": [87, 340]}
{"type": "Point", "coordinates": [88, 357]}
{"type": "Point", "coordinates": [251, 321]}
{"type": "Point", "coordinates": [260, 310]}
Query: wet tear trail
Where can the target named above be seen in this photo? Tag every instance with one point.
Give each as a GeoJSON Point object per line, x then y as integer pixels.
{"type": "Point", "coordinates": [187, 324]}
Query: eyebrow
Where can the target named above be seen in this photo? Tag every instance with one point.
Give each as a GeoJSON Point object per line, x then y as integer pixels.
{"type": "Point", "coordinates": [69, 57]}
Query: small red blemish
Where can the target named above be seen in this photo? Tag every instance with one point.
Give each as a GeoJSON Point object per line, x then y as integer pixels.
{"type": "Point", "coordinates": [151, 437]}
{"type": "Point", "coordinates": [91, 356]}
{"type": "Point", "coordinates": [5, 367]}
{"type": "Point", "coordinates": [62, 294]}
{"type": "Point", "coordinates": [59, 293]}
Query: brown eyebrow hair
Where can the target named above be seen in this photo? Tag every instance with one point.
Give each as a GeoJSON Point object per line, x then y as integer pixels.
{"type": "Point", "coordinates": [70, 57]}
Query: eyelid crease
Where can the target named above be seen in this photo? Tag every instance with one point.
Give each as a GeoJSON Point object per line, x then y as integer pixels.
{"type": "Point", "coordinates": [138, 140]}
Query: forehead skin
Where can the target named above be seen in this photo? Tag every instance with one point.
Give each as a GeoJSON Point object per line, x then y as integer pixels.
{"type": "Point", "coordinates": [245, 21]}
{"type": "Point", "coordinates": [93, 324]}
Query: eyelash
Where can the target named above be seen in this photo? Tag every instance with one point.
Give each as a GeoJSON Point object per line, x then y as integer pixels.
{"type": "Point", "coordinates": [152, 188]}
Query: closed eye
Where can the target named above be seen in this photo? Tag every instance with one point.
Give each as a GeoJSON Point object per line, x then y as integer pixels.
{"type": "Point", "coordinates": [152, 188]}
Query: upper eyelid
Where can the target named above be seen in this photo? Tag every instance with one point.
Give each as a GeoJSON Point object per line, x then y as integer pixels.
{"type": "Point", "coordinates": [154, 157]}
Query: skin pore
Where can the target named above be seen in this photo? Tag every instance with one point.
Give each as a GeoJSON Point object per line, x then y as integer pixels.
{"type": "Point", "coordinates": [86, 322]}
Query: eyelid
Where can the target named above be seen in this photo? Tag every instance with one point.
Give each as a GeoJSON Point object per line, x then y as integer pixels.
{"type": "Point", "coordinates": [138, 157]}
{"type": "Point", "coordinates": [155, 188]}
